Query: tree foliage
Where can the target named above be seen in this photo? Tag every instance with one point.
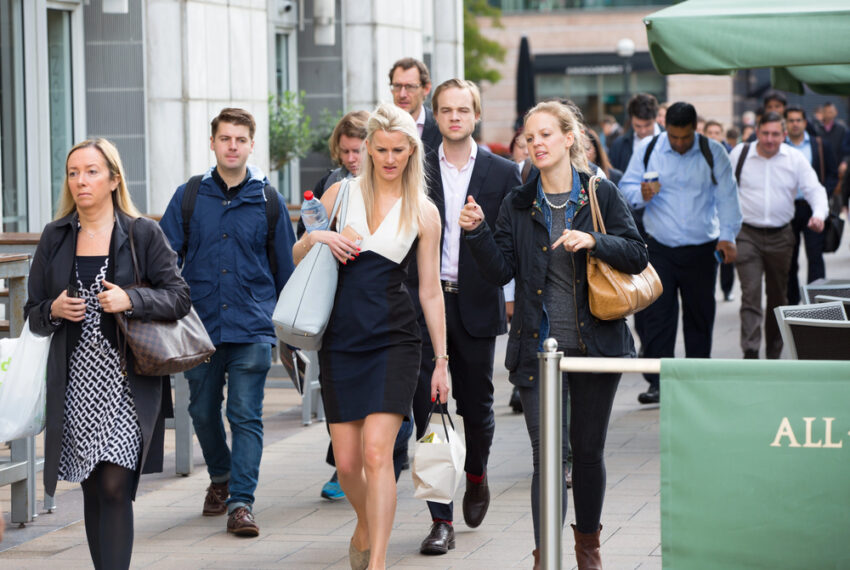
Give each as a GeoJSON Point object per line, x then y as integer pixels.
{"type": "Point", "coordinates": [479, 51]}
{"type": "Point", "coordinates": [290, 136]}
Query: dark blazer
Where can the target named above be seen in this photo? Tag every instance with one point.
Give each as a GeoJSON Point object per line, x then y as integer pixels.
{"type": "Point", "coordinates": [518, 248]}
{"type": "Point", "coordinates": [431, 137]}
{"type": "Point", "coordinates": [828, 175]}
{"type": "Point", "coordinates": [167, 299]}
{"type": "Point", "coordinates": [482, 303]}
{"type": "Point", "coordinates": [621, 150]}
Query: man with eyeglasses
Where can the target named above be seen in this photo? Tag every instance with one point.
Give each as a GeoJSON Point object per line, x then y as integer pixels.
{"type": "Point", "coordinates": [410, 83]}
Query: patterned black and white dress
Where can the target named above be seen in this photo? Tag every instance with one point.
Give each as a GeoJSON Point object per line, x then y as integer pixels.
{"type": "Point", "coordinates": [101, 424]}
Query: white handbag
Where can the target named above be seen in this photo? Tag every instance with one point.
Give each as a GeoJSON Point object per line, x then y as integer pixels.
{"type": "Point", "coordinates": [305, 304]}
{"type": "Point", "coordinates": [437, 466]}
{"type": "Point", "coordinates": [23, 384]}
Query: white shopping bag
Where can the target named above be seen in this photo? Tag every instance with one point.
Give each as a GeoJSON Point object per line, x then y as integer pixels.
{"type": "Point", "coordinates": [438, 461]}
{"type": "Point", "coordinates": [23, 384]}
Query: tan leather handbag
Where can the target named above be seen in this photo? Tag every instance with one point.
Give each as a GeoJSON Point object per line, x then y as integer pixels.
{"type": "Point", "coordinates": [612, 293]}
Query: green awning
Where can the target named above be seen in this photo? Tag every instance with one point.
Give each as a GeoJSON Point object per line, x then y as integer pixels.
{"type": "Point", "coordinates": [803, 42]}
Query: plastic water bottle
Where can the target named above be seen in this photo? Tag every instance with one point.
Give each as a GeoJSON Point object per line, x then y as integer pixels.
{"type": "Point", "coordinates": [313, 213]}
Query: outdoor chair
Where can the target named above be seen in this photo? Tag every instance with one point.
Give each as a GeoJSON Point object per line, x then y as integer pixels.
{"type": "Point", "coordinates": [832, 289]}
{"type": "Point", "coordinates": [831, 311]}
{"type": "Point", "coordinates": [813, 339]}
{"type": "Point", "coordinates": [831, 299]}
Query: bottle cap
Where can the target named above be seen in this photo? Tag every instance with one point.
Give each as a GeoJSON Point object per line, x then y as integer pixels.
{"type": "Point", "coordinates": [308, 195]}
{"type": "Point", "coordinates": [650, 177]}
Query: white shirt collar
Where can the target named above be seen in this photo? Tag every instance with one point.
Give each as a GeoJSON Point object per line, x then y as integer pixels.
{"type": "Point", "coordinates": [420, 120]}
{"type": "Point", "coordinates": [473, 153]}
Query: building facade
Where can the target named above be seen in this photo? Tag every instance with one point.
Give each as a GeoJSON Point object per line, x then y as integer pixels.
{"type": "Point", "coordinates": [150, 74]}
{"type": "Point", "coordinates": [574, 49]}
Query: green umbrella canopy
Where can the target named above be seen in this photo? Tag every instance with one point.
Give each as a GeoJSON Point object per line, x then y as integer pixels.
{"type": "Point", "coordinates": [804, 42]}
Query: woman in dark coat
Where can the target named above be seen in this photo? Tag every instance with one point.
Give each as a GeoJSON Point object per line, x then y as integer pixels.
{"type": "Point", "coordinates": [104, 422]}
{"type": "Point", "coordinates": [542, 238]}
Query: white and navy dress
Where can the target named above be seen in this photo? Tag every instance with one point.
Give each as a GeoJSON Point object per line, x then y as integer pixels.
{"type": "Point", "coordinates": [101, 423]}
{"type": "Point", "coordinates": [371, 348]}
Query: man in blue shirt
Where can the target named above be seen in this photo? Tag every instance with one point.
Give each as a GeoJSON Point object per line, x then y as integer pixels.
{"type": "Point", "coordinates": [227, 263]}
{"type": "Point", "coordinates": [820, 155]}
{"type": "Point", "coordinates": [694, 213]}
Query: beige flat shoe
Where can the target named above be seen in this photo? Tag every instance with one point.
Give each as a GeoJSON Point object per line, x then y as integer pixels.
{"type": "Point", "coordinates": [359, 559]}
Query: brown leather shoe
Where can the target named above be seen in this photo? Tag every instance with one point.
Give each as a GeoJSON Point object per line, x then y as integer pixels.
{"type": "Point", "coordinates": [241, 522]}
{"type": "Point", "coordinates": [476, 501]}
{"type": "Point", "coordinates": [215, 502]}
{"type": "Point", "coordinates": [440, 540]}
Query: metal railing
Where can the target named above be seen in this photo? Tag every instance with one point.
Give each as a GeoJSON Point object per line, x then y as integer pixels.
{"type": "Point", "coordinates": [552, 363]}
{"type": "Point", "coordinates": [21, 468]}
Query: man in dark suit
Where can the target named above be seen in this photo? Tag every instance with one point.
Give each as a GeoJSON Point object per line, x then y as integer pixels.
{"type": "Point", "coordinates": [475, 309]}
{"type": "Point", "coordinates": [410, 83]}
{"type": "Point", "coordinates": [820, 155]}
{"type": "Point", "coordinates": [643, 112]}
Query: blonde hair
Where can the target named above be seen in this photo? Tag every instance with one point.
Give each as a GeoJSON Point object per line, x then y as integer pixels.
{"type": "Point", "coordinates": [569, 124]}
{"type": "Point", "coordinates": [121, 199]}
{"type": "Point", "coordinates": [389, 118]}
{"type": "Point", "coordinates": [457, 84]}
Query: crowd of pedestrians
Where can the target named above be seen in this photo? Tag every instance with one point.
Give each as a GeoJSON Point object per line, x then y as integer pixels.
{"type": "Point", "coordinates": [443, 245]}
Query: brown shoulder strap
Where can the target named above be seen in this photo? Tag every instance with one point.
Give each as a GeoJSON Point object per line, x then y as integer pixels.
{"type": "Point", "coordinates": [595, 212]}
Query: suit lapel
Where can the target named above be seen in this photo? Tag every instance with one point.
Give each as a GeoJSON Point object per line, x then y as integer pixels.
{"type": "Point", "coordinates": [435, 184]}
{"type": "Point", "coordinates": [479, 173]}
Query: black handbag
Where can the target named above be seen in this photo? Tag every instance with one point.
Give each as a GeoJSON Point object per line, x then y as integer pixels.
{"type": "Point", "coordinates": [161, 348]}
{"type": "Point", "coordinates": [833, 226]}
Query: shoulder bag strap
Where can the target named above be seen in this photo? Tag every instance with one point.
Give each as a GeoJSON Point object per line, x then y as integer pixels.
{"type": "Point", "coordinates": [648, 152]}
{"type": "Point", "coordinates": [341, 201]}
{"type": "Point", "coordinates": [595, 213]}
{"type": "Point", "coordinates": [187, 206]}
{"type": "Point", "coordinates": [705, 149]}
{"type": "Point", "coordinates": [820, 154]}
{"type": "Point", "coordinates": [136, 274]}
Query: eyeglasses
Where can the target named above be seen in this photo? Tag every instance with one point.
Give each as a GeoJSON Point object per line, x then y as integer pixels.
{"type": "Point", "coordinates": [409, 87]}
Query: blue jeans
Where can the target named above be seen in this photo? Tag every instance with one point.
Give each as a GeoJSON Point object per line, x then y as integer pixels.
{"type": "Point", "coordinates": [246, 366]}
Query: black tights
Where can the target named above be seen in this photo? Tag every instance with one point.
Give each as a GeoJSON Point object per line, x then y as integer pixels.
{"type": "Point", "coordinates": [591, 397]}
{"type": "Point", "coordinates": [108, 508]}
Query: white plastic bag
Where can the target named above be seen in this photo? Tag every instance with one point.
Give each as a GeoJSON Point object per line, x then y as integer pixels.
{"type": "Point", "coordinates": [23, 384]}
{"type": "Point", "coordinates": [438, 461]}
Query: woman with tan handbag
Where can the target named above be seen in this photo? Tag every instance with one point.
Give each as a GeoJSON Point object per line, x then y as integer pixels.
{"type": "Point", "coordinates": [542, 238]}
{"type": "Point", "coordinates": [104, 421]}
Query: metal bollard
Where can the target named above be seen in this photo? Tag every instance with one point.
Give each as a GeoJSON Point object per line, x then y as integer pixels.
{"type": "Point", "coordinates": [551, 466]}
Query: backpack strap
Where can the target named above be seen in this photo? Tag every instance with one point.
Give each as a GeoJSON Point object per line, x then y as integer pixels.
{"type": "Point", "coordinates": [705, 149]}
{"type": "Point", "coordinates": [649, 148]}
{"type": "Point", "coordinates": [819, 140]}
{"type": "Point", "coordinates": [741, 159]}
{"type": "Point", "coordinates": [187, 206]}
{"type": "Point", "coordinates": [272, 217]}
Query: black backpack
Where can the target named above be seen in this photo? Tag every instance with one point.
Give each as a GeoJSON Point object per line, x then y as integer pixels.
{"type": "Point", "coordinates": [704, 148]}
{"type": "Point", "coordinates": [187, 206]}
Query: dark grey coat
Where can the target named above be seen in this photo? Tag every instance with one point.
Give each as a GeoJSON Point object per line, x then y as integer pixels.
{"type": "Point", "coordinates": [167, 299]}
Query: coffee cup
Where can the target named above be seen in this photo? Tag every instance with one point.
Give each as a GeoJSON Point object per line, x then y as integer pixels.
{"type": "Point", "coordinates": [651, 179]}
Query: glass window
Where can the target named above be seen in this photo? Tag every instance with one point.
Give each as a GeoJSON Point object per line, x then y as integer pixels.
{"type": "Point", "coordinates": [60, 95]}
{"type": "Point", "coordinates": [598, 94]}
{"type": "Point", "coordinates": [13, 173]}
{"type": "Point", "coordinates": [553, 5]}
{"type": "Point", "coordinates": [284, 177]}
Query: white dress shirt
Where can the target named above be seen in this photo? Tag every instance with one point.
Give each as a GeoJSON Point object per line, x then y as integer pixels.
{"type": "Point", "coordinates": [455, 186]}
{"type": "Point", "coordinates": [420, 121]}
{"type": "Point", "coordinates": [769, 186]}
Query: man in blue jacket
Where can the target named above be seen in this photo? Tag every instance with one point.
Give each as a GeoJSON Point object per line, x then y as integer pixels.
{"type": "Point", "coordinates": [235, 275]}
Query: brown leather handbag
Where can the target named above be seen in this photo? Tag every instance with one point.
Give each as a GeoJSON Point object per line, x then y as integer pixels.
{"type": "Point", "coordinates": [613, 294]}
{"type": "Point", "coordinates": [163, 347]}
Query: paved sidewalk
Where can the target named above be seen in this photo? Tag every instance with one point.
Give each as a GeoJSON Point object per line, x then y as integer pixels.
{"type": "Point", "coordinates": [301, 530]}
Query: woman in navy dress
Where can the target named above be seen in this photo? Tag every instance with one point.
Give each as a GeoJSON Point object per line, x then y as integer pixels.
{"type": "Point", "coordinates": [371, 349]}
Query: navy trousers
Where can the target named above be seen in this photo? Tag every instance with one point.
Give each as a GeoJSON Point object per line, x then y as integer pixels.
{"type": "Point", "coordinates": [689, 272]}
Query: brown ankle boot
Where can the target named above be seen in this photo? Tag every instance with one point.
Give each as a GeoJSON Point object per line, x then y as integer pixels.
{"type": "Point", "coordinates": [587, 549]}
{"type": "Point", "coordinates": [536, 554]}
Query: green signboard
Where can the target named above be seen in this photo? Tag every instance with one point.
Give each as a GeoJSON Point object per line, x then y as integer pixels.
{"type": "Point", "coordinates": [755, 464]}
